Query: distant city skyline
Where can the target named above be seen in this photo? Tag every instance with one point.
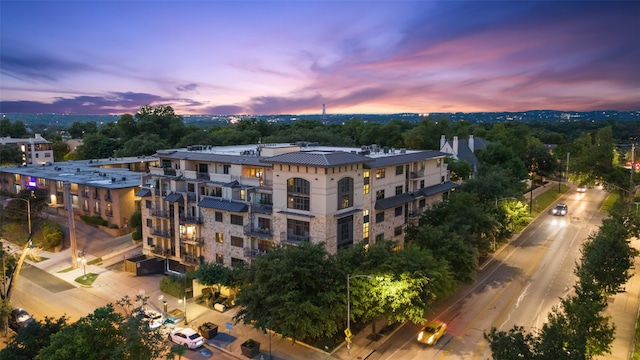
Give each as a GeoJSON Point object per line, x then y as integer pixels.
{"type": "Point", "coordinates": [295, 57]}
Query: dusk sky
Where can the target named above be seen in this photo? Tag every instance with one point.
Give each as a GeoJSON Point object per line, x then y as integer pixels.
{"type": "Point", "coordinates": [290, 57]}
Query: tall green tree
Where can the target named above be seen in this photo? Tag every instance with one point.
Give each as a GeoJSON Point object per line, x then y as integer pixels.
{"type": "Point", "coordinates": [304, 305]}
{"type": "Point", "coordinates": [29, 341]}
{"type": "Point", "coordinates": [119, 329]}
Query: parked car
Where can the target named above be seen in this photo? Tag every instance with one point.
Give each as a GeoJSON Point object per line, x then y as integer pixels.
{"type": "Point", "coordinates": [154, 318]}
{"type": "Point", "coordinates": [432, 332]}
{"type": "Point", "coordinates": [19, 318]}
{"type": "Point", "coordinates": [186, 337]}
{"type": "Point", "coordinates": [560, 210]}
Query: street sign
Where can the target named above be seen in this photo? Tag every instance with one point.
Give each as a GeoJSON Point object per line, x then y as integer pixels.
{"type": "Point", "coordinates": [229, 326]}
{"type": "Point", "coordinates": [347, 333]}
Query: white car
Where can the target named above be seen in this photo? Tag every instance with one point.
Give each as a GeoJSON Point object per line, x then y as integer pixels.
{"type": "Point", "coordinates": [154, 318]}
{"type": "Point", "coordinates": [582, 189]}
{"type": "Point", "coordinates": [186, 337]}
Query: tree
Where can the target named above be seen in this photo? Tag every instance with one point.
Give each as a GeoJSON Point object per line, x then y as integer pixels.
{"type": "Point", "coordinates": [135, 221]}
{"type": "Point", "coordinates": [97, 146]}
{"type": "Point", "coordinates": [211, 274]}
{"type": "Point", "coordinates": [10, 155]}
{"type": "Point", "coordinates": [459, 170]}
{"type": "Point", "coordinates": [79, 129]}
{"type": "Point", "coordinates": [306, 303]}
{"type": "Point", "coordinates": [512, 345]}
{"type": "Point", "coordinates": [30, 340]}
{"type": "Point", "coordinates": [122, 334]}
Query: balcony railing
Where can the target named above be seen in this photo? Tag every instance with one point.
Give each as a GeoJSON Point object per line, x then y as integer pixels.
{"type": "Point", "coordinates": [190, 259]}
{"type": "Point", "coordinates": [253, 253]}
{"type": "Point", "coordinates": [262, 208]}
{"type": "Point", "coordinates": [160, 232]}
{"type": "Point", "coordinates": [202, 175]}
{"type": "Point", "coordinates": [199, 241]}
{"type": "Point", "coordinates": [257, 231]}
{"type": "Point", "coordinates": [416, 174]}
{"type": "Point", "coordinates": [160, 213]}
{"type": "Point", "coordinates": [163, 252]}
{"type": "Point", "coordinates": [191, 220]}
{"type": "Point", "coordinates": [169, 171]}
{"type": "Point", "coordinates": [293, 239]}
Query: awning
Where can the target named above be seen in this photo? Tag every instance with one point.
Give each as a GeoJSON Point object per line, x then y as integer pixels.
{"type": "Point", "coordinates": [143, 192]}
{"type": "Point", "coordinates": [391, 202]}
{"type": "Point", "coordinates": [173, 197]}
{"type": "Point", "coordinates": [440, 188]}
{"type": "Point", "coordinates": [347, 213]}
{"type": "Point", "coordinates": [224, 205]}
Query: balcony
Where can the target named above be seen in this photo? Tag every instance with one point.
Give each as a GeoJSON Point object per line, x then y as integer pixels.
{"type": "Point", "coordinates": [198, 241]}
{"type": "Point", "coordinates": [160, 232]}
{"type": "Point", "coordinates": [169, 171]}
{"type": "Point", "coordinates": [162, 251]}
{"type": "Point", "coordinates": [291, 239]}
{"type": "Point", "coordinates": [160, 213]}
{"type": "Point", "coordinates": [262, 208]}
{"type": "Point", "coordinates": [416, 174]}
{"type": "Point", "coordinates": [253, 253]}
{"type": "Point", "coordinates": [202, 175]}
{"type": "Point", "coordinates": [191, 260]}
{"type": "Point", "coordinates": [264, 233]}
{"type": "Point", "coordinates": [197, 220]}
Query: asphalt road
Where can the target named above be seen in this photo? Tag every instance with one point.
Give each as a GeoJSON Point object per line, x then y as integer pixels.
{"type": "Point", "coordinates": [520, 286]}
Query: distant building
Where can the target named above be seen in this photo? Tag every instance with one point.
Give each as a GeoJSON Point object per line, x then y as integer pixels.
{"type": "Point", "coordinates": [36, 150]}
{"type": "Point", "coordinates": [103, 187]}
{"type": "Point", "coordinates": [231, 204]}
{"type": "Point", "coordinates": [463, 150]}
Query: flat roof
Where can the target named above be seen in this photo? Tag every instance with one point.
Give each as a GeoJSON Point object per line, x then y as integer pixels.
{"type": "Point", "coordinates": [86, 172]}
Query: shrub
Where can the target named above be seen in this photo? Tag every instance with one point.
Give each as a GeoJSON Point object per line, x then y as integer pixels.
{"type": "Point", "coordinates": [173, 285]}
{"type": "Point", "coordinates": [94, 220]}
{"type": "Point", "coordinates": [51, 234]}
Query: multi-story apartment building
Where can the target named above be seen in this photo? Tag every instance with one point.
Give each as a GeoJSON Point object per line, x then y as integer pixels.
{"type": "Point", "coordinates": [230, 204]}
{"type": "Point", "coordinates": [105, 187]}
{"type": "Point", "coordinates": [36, 150]}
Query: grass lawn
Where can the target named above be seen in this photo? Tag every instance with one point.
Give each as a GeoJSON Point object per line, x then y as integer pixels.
{"type": "Point", "coordinates": [542, 201]}
{"type": "Point", "coordinates": [88, 280]}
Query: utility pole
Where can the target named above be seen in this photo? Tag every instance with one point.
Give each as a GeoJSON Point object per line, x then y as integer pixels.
{"type": "Point", "coordinates": [567, 168]}
{"type": "Point", "coordinates": [72, 225]}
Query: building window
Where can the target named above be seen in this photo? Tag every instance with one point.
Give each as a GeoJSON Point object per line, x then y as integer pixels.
{"type": "Point", "coordinates": [379, 194]}
{"type": "Point", "coordinates": [297, 230]}
{"type": "Point", "coordinates": [236, 219]}
{"type": "Point", "coordinates": [421, 184]}
{"type": "Point", "coordinates": [191, 187]}
{"type": "Point", "coordinates": [379, 217]}
{"type": "Point", "coordinates": [203, 168]}
{"type": "Point", "coordinates": [149, 223]}
{"type": "Point", "coordinates": [438, 162]}
{"type": "Point", "coordinates": [237, 241]}
{"type": "Point", "coordinates": [422, 203]}
{"type": "Point", "coordinates": [380, 237]}
{"type": "Point", "coordinates": [380, 173]}
{"type": "Point", "coordinates": [365, 189]}
{"type": "Point", "coordinates": [398, 189]}
{"type": "Point", "coordinates": [218, 216]}
{"type": "Point", "coordinates": [237, 263]}
{"type": "Point", "coordinates": [220, 259]}
{"type": "Point", "coordinates": [399, 170]}
{"type": "Point", "coordinates": [345, 193]}
{"type": "Point", "coordinates": [96, 208]}
{"type": "Point", "coordinates": [150, 241]}
{"type": "Point", "coordinates": [398, 211]}
{"type": "Point", "coordinates": [365, 216]}
{"type": "Point", "coordinates": [397, 231]}
{"type": "Point", "coordinates": [298, 194]}
{"type": "Point", "coordinates": [225, 168]}
{"type": "Point", "coordinates": [345, 232]}
{"type": "Point", "coordinates": [85, 205]}
{"type": "Point", "coordinates": [365, 232]}
{"type": "Point", "coordinates": [109, 211]}
{"type": "Point", "coordinates": [219, 238]}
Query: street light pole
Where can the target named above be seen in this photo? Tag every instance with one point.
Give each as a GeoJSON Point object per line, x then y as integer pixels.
{"type": "Point", "coordinates": [348, 331]}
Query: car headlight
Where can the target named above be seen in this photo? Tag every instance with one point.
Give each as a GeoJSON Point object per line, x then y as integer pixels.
{"type": "Point", "coordinates": [431, 338]}
{"type": "Point", "coordinates": [420, 335]}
